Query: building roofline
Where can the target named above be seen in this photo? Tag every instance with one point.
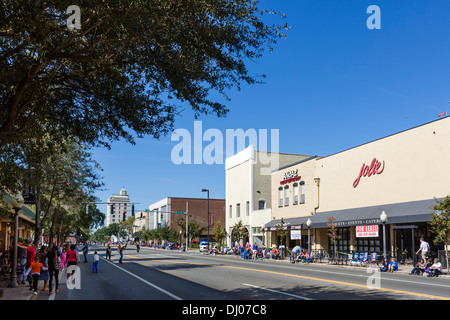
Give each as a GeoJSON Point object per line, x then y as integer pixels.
{"type": "Point", "coordinates": [388, 136]}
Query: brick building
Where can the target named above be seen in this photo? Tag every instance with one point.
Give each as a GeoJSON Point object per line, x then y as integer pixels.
{"type": "Point", "coordinates": [162, 212]}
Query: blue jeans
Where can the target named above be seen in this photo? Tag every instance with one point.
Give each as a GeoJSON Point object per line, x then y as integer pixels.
{"type": "Point", "coordinates": [95, 266]}
{"type": "Point", "coordinates": [121, 256]}
{"type": "Point", "coordinates": [85, 256]}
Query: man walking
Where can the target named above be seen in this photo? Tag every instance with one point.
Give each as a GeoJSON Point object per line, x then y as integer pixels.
{"type": "Point", "coordinates": [424, 248]}
{"type": "Point", "coordinates": [85, 251]}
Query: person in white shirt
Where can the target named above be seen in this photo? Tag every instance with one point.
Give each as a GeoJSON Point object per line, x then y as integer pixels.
{"type": "Point", "coordinates": [424, 248]}
{"type": "Point", "coordinates": [95, 264]}
{"type": "Point", "coordinates": [435, 269]}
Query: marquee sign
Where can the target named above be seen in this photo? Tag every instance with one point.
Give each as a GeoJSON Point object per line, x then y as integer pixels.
{"type": "Point", "coordinates": [367, 171]}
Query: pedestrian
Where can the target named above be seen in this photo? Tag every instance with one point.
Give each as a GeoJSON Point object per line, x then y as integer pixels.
{"type": "Point", "coordinates": [54, 266]}
{"type": "Point", "coordinates": [95, 264]}
{"type": "Point", "coordinates": [120, 249]}
{"type": "Point", "coordinates": [35, 269]}
{"type": "Point", "coordinates": [31, 254]}
{"type": "Point", "coordinates": [22, 258]}
{"type": "Point", "coordinates": [85, 251]}
{"type": "Point", "coordinates": [63, 256]}
{"type": "Point", "coordinates": [72, 259]}
{"type": "Point", "coordinates": [108, 251]}
{"type": "Point", "coordinates": [424, 248]}
{"type": "Point", "coordinates": [45, 275]}
{"type": "Point", "coordinates": [138, 247]}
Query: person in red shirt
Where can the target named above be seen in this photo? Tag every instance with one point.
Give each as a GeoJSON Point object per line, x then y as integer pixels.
{"type": "Point", "coordinates": [31, 254]}
{"type": "Point", "coordinates": [71, 258]}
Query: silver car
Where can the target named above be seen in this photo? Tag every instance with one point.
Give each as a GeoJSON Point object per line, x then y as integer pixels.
{"type": "Point", "coordinates": [203, 246]}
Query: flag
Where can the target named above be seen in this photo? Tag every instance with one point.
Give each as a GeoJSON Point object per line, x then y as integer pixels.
{"type": "Point", "coordinates": [442, 114]}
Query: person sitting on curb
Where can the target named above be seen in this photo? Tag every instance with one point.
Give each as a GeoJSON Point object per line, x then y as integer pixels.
{"type": "Point", "coordinates": [393, 266]}
{"type": "Point", "coordinates": [419, 269]}
{"type": "Point", "coordinates": [435, 269]}
{"type": "Point", "coordinates": [385, 266]}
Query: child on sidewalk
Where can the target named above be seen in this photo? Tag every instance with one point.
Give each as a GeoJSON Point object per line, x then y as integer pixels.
{"type": "Point", "coordinates": [95, 264]}
{"type": "Point", "coordinates": [35, 268]}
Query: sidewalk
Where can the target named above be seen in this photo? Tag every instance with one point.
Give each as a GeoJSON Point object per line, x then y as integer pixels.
{"type": "Point", "coordinates": [402, 269]}
{"type": "Point", "coordinates": [22, 292]}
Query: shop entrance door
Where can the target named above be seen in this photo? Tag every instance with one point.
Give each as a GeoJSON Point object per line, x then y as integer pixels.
{"type": "Point", "coordinates": [404, 243]}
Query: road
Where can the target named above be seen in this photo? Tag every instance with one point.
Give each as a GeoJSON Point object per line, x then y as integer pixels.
{"type": "Point", "coordinates": [170, 275]}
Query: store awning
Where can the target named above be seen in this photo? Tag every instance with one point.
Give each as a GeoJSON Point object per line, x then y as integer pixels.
{"type": "Point", "coordinates": [289, 224]}
{"type": "Point", "coordinates": [24, 213]}
{"type": "Point", "coordinates": [404, 212]}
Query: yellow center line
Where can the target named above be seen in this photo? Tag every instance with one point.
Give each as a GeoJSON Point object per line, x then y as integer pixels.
{"type": "Point", "coordinates": [310, 278]}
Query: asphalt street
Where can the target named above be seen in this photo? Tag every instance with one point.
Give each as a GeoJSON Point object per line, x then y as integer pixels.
{"type": "Point", "coordinates": [171, 275]}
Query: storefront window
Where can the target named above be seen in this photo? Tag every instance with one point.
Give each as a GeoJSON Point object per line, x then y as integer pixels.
{"type": "Point", "coordinates": [342, 244]}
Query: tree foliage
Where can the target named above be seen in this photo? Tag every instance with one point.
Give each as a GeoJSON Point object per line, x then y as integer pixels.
{"type": "Point", "coordinates": [440, 225]}
{"type": "Point", "coordinates": [130, 68]}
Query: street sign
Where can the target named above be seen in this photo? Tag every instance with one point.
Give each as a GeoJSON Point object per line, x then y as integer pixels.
{"type": "Point", "coordinates": [178, 212]}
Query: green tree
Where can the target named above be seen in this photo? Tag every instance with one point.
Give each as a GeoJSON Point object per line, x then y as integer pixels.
{"type": "Point", "coordinates": [440, 225]}
{"type": "Point", "coordinates": [220, 234]}
{"type": "Point", "coordinates": [282, 233]}
{"type": "Point", "coordinates": [239, 231]}
{"type": "Point", "coordinates": [196, 227]}
{"type": "Point", "coordinates": [129, 70]}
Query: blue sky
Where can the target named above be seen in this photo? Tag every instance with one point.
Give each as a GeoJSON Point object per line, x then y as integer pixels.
{"type": "Point", "coordinates": [331, 85]}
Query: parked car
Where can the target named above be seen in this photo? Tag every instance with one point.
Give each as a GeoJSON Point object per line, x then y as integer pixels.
{"type": "Point", "coordinates": [203, 246]}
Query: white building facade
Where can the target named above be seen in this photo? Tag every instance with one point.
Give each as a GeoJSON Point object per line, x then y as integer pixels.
{"type": "Point", "coordinates": [118, 207]}
{"type": "Point", "coordinates": [248, 191]}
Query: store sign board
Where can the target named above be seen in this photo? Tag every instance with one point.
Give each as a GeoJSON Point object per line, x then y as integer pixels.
{"type": "Point", "coordinates": [296, 234]}
{"type": "Point", "coordinates": [290, 176]}
{"type": "Point", "coordinates": [367, 171]}
{"type": "Point", "coordinates": [367, 231]}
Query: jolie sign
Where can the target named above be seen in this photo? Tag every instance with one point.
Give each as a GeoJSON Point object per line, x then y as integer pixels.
{"type": "Point", "coordinates": [367, 171]}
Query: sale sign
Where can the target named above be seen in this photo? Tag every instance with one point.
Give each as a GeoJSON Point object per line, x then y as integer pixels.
{"type": "Point", "coordinates": [367, 231]}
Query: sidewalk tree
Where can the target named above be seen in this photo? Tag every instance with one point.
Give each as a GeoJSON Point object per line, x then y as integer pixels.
{"type": "Point", "coordinates": [282, 232]}
{"type": "Point", "coordinates": [240, 232]}
{"type": "Point", "coordinates": [333, 232]}
{"type": "Point", "coordinates": [129, 69]}
{"type": "Point", "coordinates": [440, 225]}
{"type": "Point", "coordinates": [196, 227]}
{"type": "Point", "coordinates": [220, 234]}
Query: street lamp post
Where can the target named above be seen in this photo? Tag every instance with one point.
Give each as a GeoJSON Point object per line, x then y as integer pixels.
{"type": "Point", "coordinates": [383, 218]}
{"type": "Point", "coordinates": [17, 203]}
{"type": "Point", "coordinates": [207, 191]}
{"type": "Point", "coordinates": [309, 223]}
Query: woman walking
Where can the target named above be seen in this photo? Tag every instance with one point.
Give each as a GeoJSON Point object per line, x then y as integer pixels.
{"type": "Point", "coordinates": [44, 273]}
{"type": "Point", "coordinates": [108, 251]}
{"type": "Point", "coordinates": [54, 266]}
{"type": "Point", "coordinates": [72, 259]}
{"type": "Point", "coordinates": [63, 256]}
{"type": "Point", "coordinates": [121, 248]}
